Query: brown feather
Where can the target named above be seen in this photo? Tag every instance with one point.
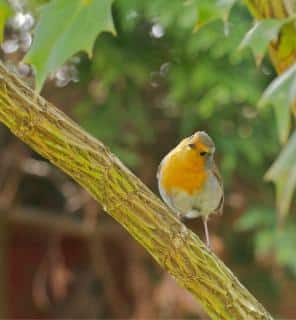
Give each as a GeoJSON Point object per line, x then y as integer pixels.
{"type": "Point", "coordinates": [220, 207]}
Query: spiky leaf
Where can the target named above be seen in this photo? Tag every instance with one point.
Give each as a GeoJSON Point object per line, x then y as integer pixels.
{"type": "Point", "coordinates": [210, 10]}
{"type": "Point", "coordinates": [66, 27]}
{"type": "Point", "coordinates": [283, 174]}
{"type": "Point", "coordinates": [260, 35]}
{"type": "Point", "coordinates": [281, 94]}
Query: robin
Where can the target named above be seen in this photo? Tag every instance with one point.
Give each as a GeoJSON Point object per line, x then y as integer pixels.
{"type": "Point", "coordinates": [189, 181]}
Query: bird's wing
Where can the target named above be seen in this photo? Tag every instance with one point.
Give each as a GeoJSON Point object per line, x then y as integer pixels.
{"type": "Point", "coordinates": [216, 172]}
{"type": "Point", "coordinates": [165, 197]}
{"type": "Point", "coordinates": [158, 170]}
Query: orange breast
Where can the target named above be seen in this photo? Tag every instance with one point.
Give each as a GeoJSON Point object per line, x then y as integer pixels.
{"type": "Point", "coordinates": [184, 171]}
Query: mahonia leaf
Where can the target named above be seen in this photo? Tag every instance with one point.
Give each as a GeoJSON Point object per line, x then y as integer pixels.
{"type": "Point", "coordinates": [66, 27]}
{"type": "Point", "coordinates": [5, 13]}
{"type": "Point", "coordinates": [283, 121]}
{"type": "Point", "coordinates": [283, 174]}
{"type": "Point", "coordinates": [281, 88]}
{"type": "Point", "coordinates": [210, 10]}
{"type": "Point", "coordinates": [259, 36]}
{"type": "Point", "coordinates": [281, 94]}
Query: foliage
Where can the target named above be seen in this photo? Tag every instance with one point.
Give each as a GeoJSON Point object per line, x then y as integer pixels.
{"type": "Point", "coordinates": [5, 12]}
{"type": "Point", "coordinates": [282, 52]}
{"type": "Point", "coordinates": [260, 36]}
{"type": "Point", "coordinates": [192, 80]}
{"type": "Point", "coordinates": [158, 79]}
{"type": "Point", "coordinates": [55, 42]}
{"type": "Point", "coordinates": [256, 218]}
{"type": "Point", "coordinates": [283, 174]}
{"type": "Point", "coordinates": [268, 239]}
{"type": "Point", "coordinates": [175, 20]}
{"type": "Point", "coordinates": [208, 11]}
{"type": "Point", "coordinates": [281, 95]}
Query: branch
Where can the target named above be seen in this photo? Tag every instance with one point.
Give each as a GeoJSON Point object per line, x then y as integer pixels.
{"type": "Point", "coordinates": [178, 250]}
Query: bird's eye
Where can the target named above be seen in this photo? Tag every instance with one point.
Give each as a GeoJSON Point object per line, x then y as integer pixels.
{"type": "Point", "coordinates": [203, 153]}
{"type": "Point", "coordinates": [191, 145]}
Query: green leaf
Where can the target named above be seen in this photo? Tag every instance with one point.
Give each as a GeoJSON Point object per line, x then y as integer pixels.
{"type": "Point", "coordinates": [5, 13]}
{"type": "Point", "coordinates": [210, 10]}
{"type": "Point", "coordinates": [283, 121]}
{"type": "Point", "coordinates": [283, 174]}
{"type": "Point", "coordinates": [285, 247]}
{"type": "Point", "coordinates": [256, 217]}
{"type": "Point", "coordinates": [281, 89]}
{"type": "Point", "coordinates": [264, 242]}
{"type": "Point", "coordinates": [259, 36]}
{"type": "Point", "coordinates": [281, 94]}
{"type": "Point", "coordinates": [66, 27]}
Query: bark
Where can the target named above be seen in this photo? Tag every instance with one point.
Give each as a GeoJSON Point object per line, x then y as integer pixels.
{"type": "Point", "coordinates": [178, 250]}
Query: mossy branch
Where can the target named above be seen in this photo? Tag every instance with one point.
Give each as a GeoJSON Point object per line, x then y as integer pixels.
{"type": "Point", "coordinates": [178, 250]}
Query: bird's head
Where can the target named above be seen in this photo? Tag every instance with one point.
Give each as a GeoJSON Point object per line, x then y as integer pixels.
{"type": "Point", "coordinates": [201, 143]}
{"type": "Point", "coordinates": [199, 146]}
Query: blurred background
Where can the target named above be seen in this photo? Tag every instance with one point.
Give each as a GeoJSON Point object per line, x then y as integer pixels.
{"type": "Point", "coordinates": [143, 90]}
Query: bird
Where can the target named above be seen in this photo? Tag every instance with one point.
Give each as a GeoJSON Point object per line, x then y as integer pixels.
{"type": "Point", "coordinates": [189, 181]}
